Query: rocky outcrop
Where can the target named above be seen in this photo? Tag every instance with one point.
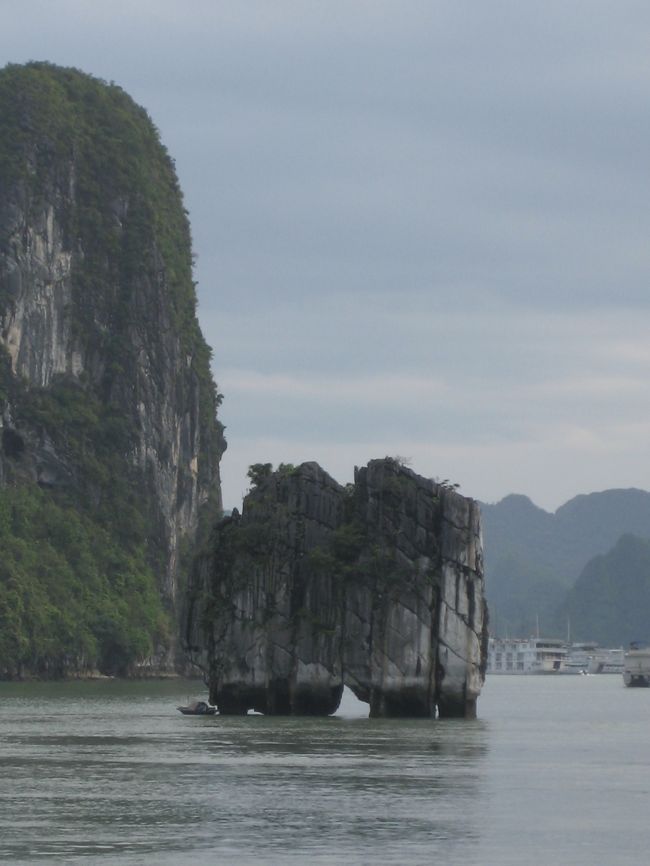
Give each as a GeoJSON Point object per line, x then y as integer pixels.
{"type": "Point", "coordinates": [378, 586]}
{"type": "Point", "coordinates": [105, 383]}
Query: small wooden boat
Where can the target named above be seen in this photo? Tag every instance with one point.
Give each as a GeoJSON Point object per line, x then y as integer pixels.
{"type": "Point", "coordinates": [198, 708]}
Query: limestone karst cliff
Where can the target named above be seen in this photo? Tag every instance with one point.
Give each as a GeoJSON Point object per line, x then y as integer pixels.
{"type": "Point", "coordinates": [107, 403]}
{"type": "Point", "coordinates": [378, 586]}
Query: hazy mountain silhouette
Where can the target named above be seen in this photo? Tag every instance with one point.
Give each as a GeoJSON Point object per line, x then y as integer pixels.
{"type": "Point", "coordinates": [610, 602]}
{"type": "Point", "coordinates": [533, 557]}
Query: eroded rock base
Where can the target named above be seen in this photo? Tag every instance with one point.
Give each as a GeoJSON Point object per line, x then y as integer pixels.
{"type": "Point", "coordinates": [377, 586]}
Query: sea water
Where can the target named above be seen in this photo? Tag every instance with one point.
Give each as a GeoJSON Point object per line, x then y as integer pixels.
{"type": "Point", "coordinates": [554, 771]}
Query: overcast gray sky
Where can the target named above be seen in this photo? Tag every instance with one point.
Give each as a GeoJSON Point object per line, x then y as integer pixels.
{"type": "Point", "coordinates": [421, 227]}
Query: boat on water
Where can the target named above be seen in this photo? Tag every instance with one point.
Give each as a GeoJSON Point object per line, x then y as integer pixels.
{"type": "Point", "coordinates": [532, 656]}
{"type": "Point", "coordinates": [550, 656]}
{"type": "Point", "coordinates": [607, 661]}
{"type": "Point", "coordinates": [589, 658]}
{"type": "Point", "coordinates": [197, 708]}
{"type": "Point", "coordinates": [636, 671]}
{"type": "Point", "coordinates": [579, 656]}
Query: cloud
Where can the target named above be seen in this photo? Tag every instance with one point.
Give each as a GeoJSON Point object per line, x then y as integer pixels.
{"type": "Point", "coordinates": [371, 390]}
{"type": "Point", "coordinates": [421, 228]}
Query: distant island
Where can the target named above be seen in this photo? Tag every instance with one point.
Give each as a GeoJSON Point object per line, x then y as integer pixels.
{"type": "Point", "coordinates": [582, 572]}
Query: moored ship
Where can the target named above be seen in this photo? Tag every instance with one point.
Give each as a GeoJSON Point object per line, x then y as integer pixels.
{"type": "Point", "coordinates": [636, 671]}
{"type": "Point", "coordinates": [607, 661]}
{"type": "Point", "coordinates": [534, 655]}
{"type": "Point", "coordinates": [537, 655]}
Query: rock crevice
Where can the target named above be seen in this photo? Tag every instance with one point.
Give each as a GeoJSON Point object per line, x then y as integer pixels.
{"type": "Point", "coordinates": [377, 586]}
{"type": "Point", "coordinates": [106, 395]}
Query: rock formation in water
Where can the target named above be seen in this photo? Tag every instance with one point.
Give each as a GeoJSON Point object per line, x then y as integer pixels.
{"type": "Point", "coordinates": [378, 586]}
{"type": "Point", "coordinates": [107, 403]}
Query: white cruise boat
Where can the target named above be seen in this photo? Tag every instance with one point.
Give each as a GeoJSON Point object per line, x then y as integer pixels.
{"type": "Point", "coordinates": [579, 656]}
{"type": "Point", "coordinates": [535, 655]}
{"type": "Point", "coordinates": [637, 665]}
{"type": "Point", "coordinates": [607, 661]}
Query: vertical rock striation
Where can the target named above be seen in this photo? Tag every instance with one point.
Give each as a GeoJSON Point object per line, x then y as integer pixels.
{"type": "Point", "coordinates": [378, 586]}
{"type": "Point", "coordinates": [106, 393]}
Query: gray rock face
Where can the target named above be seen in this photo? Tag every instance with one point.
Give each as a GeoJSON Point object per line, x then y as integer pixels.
{"type": "Point", "coordinates": [96, 295]}
{"type": "Point", "coordinates": [378, 586]}
{"type": "Point", "coordinates": [160, 391]}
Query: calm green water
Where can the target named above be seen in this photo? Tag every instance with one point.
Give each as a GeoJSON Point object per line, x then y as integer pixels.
{"type": "Point", "coordinates": [556, 770]}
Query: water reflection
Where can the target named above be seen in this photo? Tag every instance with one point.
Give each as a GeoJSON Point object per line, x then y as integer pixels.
{"type": "Point", "coordinates": [103, 773]}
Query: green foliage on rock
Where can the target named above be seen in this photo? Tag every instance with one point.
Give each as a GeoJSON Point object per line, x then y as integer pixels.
{"type": "Point", "coordinates": [257, 472]}
{"type": "Point", "coordinates": [95, 440]}
{"type": "Point", "coordinates": [128, 205]}
{"type": "Point", "coordinates": [72, 598]}
{"type": "Point", "coordinates": [82, 166]}
{"type": "Point", "coordinates": [78, 584]}
{"type": "Point", "coordinates": [72, 140]}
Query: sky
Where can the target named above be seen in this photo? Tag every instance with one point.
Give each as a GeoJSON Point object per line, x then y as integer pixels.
{"type": "Point", "coordinates": [421, 228]}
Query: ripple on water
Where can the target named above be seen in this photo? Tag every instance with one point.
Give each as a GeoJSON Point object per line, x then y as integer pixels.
{"type": "Point", "coordinates": [107, 774]}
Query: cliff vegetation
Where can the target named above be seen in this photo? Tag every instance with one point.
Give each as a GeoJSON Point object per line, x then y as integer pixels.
{"type": "Point", "coordinates": [110, 440]}
{"type": "Point", "coordinates": [377, 585]}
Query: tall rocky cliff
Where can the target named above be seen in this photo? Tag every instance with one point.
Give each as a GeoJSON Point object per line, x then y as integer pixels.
{"type": "Point", "coordinates": [378, 586]}
{"type": "Point", "coordinates": [107, 404]}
